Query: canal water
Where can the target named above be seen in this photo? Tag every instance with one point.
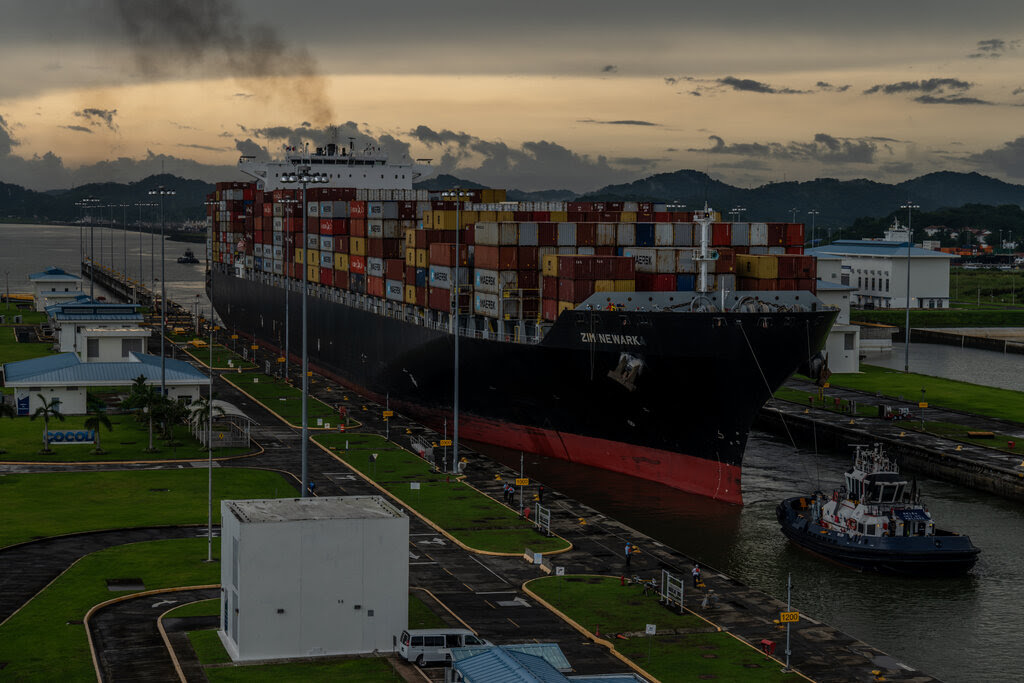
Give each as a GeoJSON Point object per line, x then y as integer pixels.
{"type": "Point", "coordinates": [960, 629]}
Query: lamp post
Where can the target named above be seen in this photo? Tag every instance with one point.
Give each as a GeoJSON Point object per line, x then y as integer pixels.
{"type": "Point", "coordinates": [124, 242]}
{"type": "Point", "coordinates": [289, 239]}
{"type": "Point", "coordinates": [910, 242]}
{"type": "Point", "coordinates": [793, 213]}
{"type": "Point", "coordinates": [737, 213]}
{"type": "Point", "coordinates": [162, 192]}
{"type": "Point", "coordinates": [303, 177]}
{"type": "Point", "coordinates": [85, 204]}
{"type": "Point", "coordinates": [140, 205]}
{"type": "Point", "coordinates": [813, 213]}
{"type": "Point", "coordinates": [456, 195]}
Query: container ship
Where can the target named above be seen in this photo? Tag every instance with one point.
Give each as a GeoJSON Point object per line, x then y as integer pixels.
{"type": "Point", "coordinates": [631, 336]}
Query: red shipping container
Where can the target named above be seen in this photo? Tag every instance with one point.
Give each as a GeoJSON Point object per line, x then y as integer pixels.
{"type": "Point", "coordinates": [421, 296]}
{"type": "Point", "coordinates": [410, 275]}
{"type": "Point", "coordinates": [394, 269]}
{"type": "Point", "coordinates": [374, 285]}
{"type": "Point", "coordinates": [528, 279]}
{"type": "Point", "coordinates": [268, 210]}
{"type": "Point", "coordinates": [357, 227]}
{"type": "Point", "coordinates": [726, 262]}
{"type": "Point", "coordinates": [341, 244]}
{"type": "Point", "coordinates": [549, 308]}
{"type": "Point", "coordinates": [809, 284]}
{"type": "Point", "coordinates": [341, 279]}
{"type": "Point", "coordinates": [574, 290]}
{"type": "Point", "coordinates": [375, 247]}
{"type": "Point", "coordinates": [357, 209]}
{"type": "Point", "coordinates": [508, 258]}
{"type": "Point", "coordinates": [357, 264]}
{"type": "Point", "coordinates": [721, 234]}
{"type": "Point", "coordinates": [586, 234]}
{"type": "Point", "coordinates": [795, 234]}
{"type": "Point", "coordinates": [326, 228]}
{"type": "Point", "coordinates": [527, 258]}
{"type": "Point", "coordinates": [662, 217]}
{"type": "Point", "coordinates": [614, 206]}
{"type": "Point", "coordinates": [439, 299]}
{"type": "Point", "coordinates": [623, 268]}
{"type": "Point", "coordinates": [603, 268]}
{"type": "Point", "coordinates": [443, 254]}
{"type": "Point", "coordinates": [576, 267]}
{"type": "Point", "coordinates": [549, 287]}
{"type": "Point", "coordinates": [547, 234]}
{"type": "Point", "coordinates": [665, 283]}
{"type": "Point", "coordinates": [327, 276]}
{"type": "Point", "coordinates": [776, 234]}
{"type": "Point", "coordinates": [486, 257]}
{"type": "Point", "coordinates": [645, 282]}
{"type": "Point", "coordinates": [541, 216]}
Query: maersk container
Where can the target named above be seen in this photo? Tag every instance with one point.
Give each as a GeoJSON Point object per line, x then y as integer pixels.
{"type": "Point", "coordinates": [394, 290]}
{"type": "Point", "coordinates": [441, 276]}
{"type": "Point", "coordinates": [663, 235]}
{"type": "Point", "coordinates": [487, 234]}
{"type": "Point", "coordinates": [682, 234]}
{"type": "Point", "coordinates": [625, 234]}
{"type": "Point", "coordinates": [528, 234]}
{"type": "Point", "coordinates": [327, 209]}
{"type": "Point", "coordinates": [278, 253]}
{"type": "Point", "coordinates": [278, 223]}
{"type": "Point", "coordinates": [494, 281]}
{"type": "Point", "coordinates": [652, 260]}
{"type": "Point", "coordinates": [758, 234]}
{"type": "Point", "coordinates": [277, 238]}
{"type": "Point", "coordinates": [375, 267]}
{"type": "Point", "coordinates": [566, 234]}
{"type": "Point", "coordinates": [487, 305]}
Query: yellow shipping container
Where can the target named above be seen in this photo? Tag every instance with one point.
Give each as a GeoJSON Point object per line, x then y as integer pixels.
{"type": "Point", "coordinates": [549, 265]}
{"type": "Point", "coordinates": [488, 216]}
{"type": "Point", "coordinates": [625, 285]}
{"type": "Point", "coordinates": [469, 218]}
{"type": "Point", "coordinates": [410, 236]}
{"type": "Point", "coordinates": [499, 195]}
{"type": "Point", "coordinates": [313, 257]}
{"type": "Point", "coordinates": [410, 294]}
{"type": "Point", "coordinates": [628, 217]}
{"type": "Point", "coordinates": [357, 246]}
{"type": "Point", "coordinates": [761, 267]}
{"type": "Point", "coordinates": [422, 258]}
{"type": "Point", "coordinates": [341, 262]}
{"type": "Point", "coordinates": [313, 273]}
{"type": "Point", "coordinates": [565, 306]}
{"type": "Point", "coordinates": [505, 217]}
{"type": "Point", "coordinates": [410, 255]}
{"type": "Point", "coordinates": [444, 220]}
{"type": "Point", "coordinates": [559, 216]}
{"type": "Point", "coordinates": [487, 196]}
{"type": "Point", "coordinates": [299, 251]}
{"type": "Point", "coordinates": [604, 285]}
{"type": "Point", "coordinates": [428, 219]}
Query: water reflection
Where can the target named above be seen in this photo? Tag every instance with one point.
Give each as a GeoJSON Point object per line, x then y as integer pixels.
{"type": "Point", "coordinates": [976, 366]}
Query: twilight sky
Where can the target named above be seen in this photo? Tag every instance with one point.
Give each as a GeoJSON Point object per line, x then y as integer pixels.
{"type": "Point", "coordinates": [525, 94]}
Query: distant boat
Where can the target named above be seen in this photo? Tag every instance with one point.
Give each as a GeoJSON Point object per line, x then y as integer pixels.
{"type": "Point", "coordinates": [876, 522]}
{"type": "Point", "coordinates": [188, 257]}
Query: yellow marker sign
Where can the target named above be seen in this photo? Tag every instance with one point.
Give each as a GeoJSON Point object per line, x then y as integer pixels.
{"type": "Point", "coordinates": [254, 347]}
{"type": "Point", "coordinates": [522, 482]}
{"type": "Point", "coordinates": [922, 404]}
{"type": "Point", "coordinates": [826, 385]}
{"type": "Point", "coordinates": [789, 617]}
{"type": "Point", "coordinates": [446, 442]}
{"type": "Point", "coordinates": [234, 336]}
{"type": "Point", "coordinates": [389, 413]}
{"type": "Point", "coordinates": [280, 359]}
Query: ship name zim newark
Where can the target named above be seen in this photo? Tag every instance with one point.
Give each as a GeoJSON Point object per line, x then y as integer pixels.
{"type": "Point", "coordinates": [571, 347]}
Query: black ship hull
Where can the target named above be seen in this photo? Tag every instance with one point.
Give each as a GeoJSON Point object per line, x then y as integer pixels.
{"type": "Point", "coordinates": [664, 396]}
{"type": "Point", "coordinates": [944, 554]}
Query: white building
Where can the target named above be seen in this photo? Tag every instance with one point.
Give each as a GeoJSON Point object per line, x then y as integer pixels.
{"type": "Point", "coordinates": [98, 332]}
{"type": "Point", "coordinates": [64, 376]}
{"type": "Point", "coordinates": [878, 272]}
{"type": "Point", "coordinates": [304, 577]}
{"type": "Point", "coordinates": [54, 285]}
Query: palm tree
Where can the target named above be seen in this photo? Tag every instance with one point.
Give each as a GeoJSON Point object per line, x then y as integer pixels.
{"type": "Point", "coordinates": [47, 409]}
{"type": "Point", "coordinates": [97, 419]}
{"type": "Point", "coordinates": [203, 409]}
{"type": "Point", "coordinates": [144, 399]}
{"type": "Point", "coordinates": [7, 410]}
{"type": "Point", "coordinates": [172, 413]}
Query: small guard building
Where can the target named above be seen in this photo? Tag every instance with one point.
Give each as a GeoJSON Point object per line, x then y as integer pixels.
{"type": "Point", "coordinates": [53, 286]}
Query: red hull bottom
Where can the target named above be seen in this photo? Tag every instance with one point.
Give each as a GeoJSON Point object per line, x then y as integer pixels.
{"type": "Point", "coordinates": [689, 473]}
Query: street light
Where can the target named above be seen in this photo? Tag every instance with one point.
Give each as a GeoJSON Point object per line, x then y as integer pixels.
{"type": "Point", "coordinates": [140, 205]}
{"type": "Point", "coordinates": [910, 242]}
{"type": "Point", "coordinates": [85, 204]}
{"type": "Point", "coordinates": [457, 196]}
{"type": "Point", "coordinates": [737, 213]}
{"type": "Point", "coordinates": [162, 192]}
{"type": "Point", "coordinates": [793, 212]}
{"type": "Point", "coordinates": [813, 213]}
{"type": "Point", "coordinates": [289, 239]}
{"type": "Point", "coordinates": [303, 177]}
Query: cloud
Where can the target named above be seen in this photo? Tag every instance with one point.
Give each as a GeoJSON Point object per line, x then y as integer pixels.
{"type": "Point", "coordinates": [824, 85]}
{"type": "Point", "coordinates": [7, 141]}
{"type": "Point", "coordinates": [250, 148]}
{"type": "Point", "coordinates": [638, 162]}
{"type": "Point", "coordinates": [1008, 159]}
{"type": "Point", "coordinates": [1018, 91]}
{"type": "Point", "coordinates": [823, 147]}
{"type": "Point", "coordinates": [949, 99]}
{"type": "Point", "coordinates": [98, 117]}
{"type": "Point", "coordinates": [244, 95]}
{"type": "Point", "coordinates": [204, 147]}
{"type": "Point", "coordinates": [930, 85]}
{"type": "Point", "coordinates": [610, 69]}
{"type": "Point", "coordinates": [624, 122]}
{"type": "Point", "coordinates": [993, 48]}
{"type": "Point", "coordinates": [749, 85]}
{"type": "Point", "coordinates": [428, 136]}
{"type": "Point", "coordinates": [79, 129]}
{"type": "Point", "coordinates": [901, 168]}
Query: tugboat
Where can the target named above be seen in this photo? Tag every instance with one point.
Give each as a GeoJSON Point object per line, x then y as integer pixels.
{"type": "Point", "coordinates": [876, 522]}
{"type": "Point", "coordinates": [189, 257]}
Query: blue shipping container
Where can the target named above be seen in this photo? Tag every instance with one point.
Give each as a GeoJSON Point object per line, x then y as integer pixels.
{"type": "Point", "coordinates": [686, 283]}
{"type": "Point", "coordinates": [421, 277]}
{"type": "Point", "coordinates": [645, 234]}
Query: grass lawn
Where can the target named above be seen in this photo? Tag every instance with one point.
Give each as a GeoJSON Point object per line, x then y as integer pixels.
{"type": "Point", "coordinates": [943, 317]}
{"type": "Point", "coordinates": [11, 350]}
{"type": "Point", "coordinates": [208, 647]}
{"type": "Point", "coordinates": [475, 519]}
{"type": "Point", "coordinates": [686, 647]}
{"type": "Point", "coordinates": [283, 399]}
{"type": "Point", "coordinates": [203, 608]}
{"type": "Point", "coordinates": [22, 439]}
{"type": "Point", "coordinates": [421, 616]}
{"type": "Point", "coordinates": [27, 317]}
{"type": "Point", "coordinates": [53, 503]}
{"type": "Point", "coordinates": [368, 670]}
{"type": "Point", "coordinates": [39, 644]}
{"type": "Point", "coordinates": [939, 392]}
{"type": "Point", "coordinates": [221, 357]}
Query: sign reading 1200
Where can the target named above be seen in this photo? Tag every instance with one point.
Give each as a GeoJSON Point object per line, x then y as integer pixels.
{"type": "Point", "coordinates": [79, 436]}
{"type": "Point", "coordinates": [620, 339]}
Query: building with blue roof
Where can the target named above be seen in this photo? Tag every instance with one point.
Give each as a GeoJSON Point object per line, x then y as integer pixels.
{"type": "Point", "coordinates": [522, 663]}
{"type": "Point", "coordinates": [96, 331]}
{"type": "Point", "coordinates": [54, 285]}
{"type": "Point", "coordinates": [64, 376]}
{"type": "Point", "coordinates": [877, 269]}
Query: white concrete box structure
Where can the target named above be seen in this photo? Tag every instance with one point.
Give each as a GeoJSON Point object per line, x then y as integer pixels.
{"type": "Point", "coordinates": [54, 285]}
{"type": "Point", "coordinates": [843, 343]}
{"type": "Point", "coordinates": [304, 577]}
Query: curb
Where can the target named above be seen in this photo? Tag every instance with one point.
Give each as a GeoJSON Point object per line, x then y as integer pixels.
{"type": "Point", "coordinates": [163, 632]}
{"type": "Point", "coordinates": [275, 414]}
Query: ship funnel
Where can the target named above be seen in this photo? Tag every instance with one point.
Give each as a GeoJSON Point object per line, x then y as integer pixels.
{"type": "Point", "coordinates": [332, 149]}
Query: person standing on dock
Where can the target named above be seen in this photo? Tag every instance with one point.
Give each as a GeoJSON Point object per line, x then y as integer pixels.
{"type": "Point", "coordinates": [540, 494]}
{"type": "Point", "coordinates": [696, 575]}
{"type": "Point", "coordinates": [629, 552]}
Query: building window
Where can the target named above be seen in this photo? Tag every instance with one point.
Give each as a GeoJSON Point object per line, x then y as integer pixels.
{"type": "Point", "coordinates": [859, 285]}
{"type": "Point", "coordinates": [848, 341]}
{"type": "Point", "coordinates": [887, 284]}
{"type": "Point", "coordinates": [92, 348]}
{"type": "Point", "coordinates": [129, 345]}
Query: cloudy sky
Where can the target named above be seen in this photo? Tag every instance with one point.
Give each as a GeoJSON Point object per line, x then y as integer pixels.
{"type": "Point", "coordinates": [524, 94]}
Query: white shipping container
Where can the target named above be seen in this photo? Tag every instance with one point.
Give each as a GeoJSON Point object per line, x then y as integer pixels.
{"type": "Point", "coordinates": [327, 209]}
{"type": "Point", "coordinates": [566, 234]}
{"type": "Point", "coordinates": [630, 206]}
{"type": "Point", "coordinates": [327, 260]}
{"type": "Point", "coordinates": [340, 209]}
{"type": "Point", "coordinates": [528, 234]}
{"type": "Point", "coordinates": [248, 261]}
{"type": "Point", "coordinates": [278, 267]}
{"type": "Point", "coordinates": [312, 241]}
{"type": "Point", "coordinates": [776, 250]}
{"type": "Point", "coordinates": [685, 262]}
{"type": "Point", "coordinates": [606, 234]}
{"type": "Point", "coordinates": [545, 251]}
{"type": "Point", "coordinates": [726, 281]}
{"type": "Point", "coordinates": [278, 253]}
{"type": "Point", "coordinates": [740, 235]}
{"type": "Point", "coordinates": [394, 290]}
{"type": "Point", "coordinates": [758, 250]}
{"type": "Point", "coordinates": [758, 235]}
{"type": "Point", "coordinates": [565, 250]}
{"type": "Point", "coordinates": [682, 234]}
{"type": "Point", "coordinates": [494, 281]}
{"type": "Point", "coordinates": [277, 238]}
{"type": "Point", "coordinates": [508, 234]}
{"type": "Point", "coordinates": [278, 209]}
{"type": "Point", "coordinates": [487, 233]}
{"type": "Point", "coordinates": [664, 235]}
{"type": "Point", "coordinates": [652, 259]}
{"type": "Point", "coordinates": [487, 305]}
{"type": "Point", "coordinates": [375, 267]}
{"type": "Point", "coordinates": [375, 227]}
{"type": "Point", "coordinates": [625, 234]}
{"type": "Point", "coordinates": [326, 243]}
{"type": "Point", "coordinates": [257, 250]}
{"type": "Point", "coordinates": [441, 276]}
{"type": "Point", "coordinates": [585, 251]}
{"type": "Point", "coordinates": [278, 223]}
{"type": "Point", "coordinates": [313, 208]}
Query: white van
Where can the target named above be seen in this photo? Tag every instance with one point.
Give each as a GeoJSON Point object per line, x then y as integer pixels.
{"type": "Point", "coordinates": [434, 644]}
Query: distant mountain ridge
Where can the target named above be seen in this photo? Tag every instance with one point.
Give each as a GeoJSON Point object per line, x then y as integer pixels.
{"type": "Point", "coordinates": [838, 202]}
